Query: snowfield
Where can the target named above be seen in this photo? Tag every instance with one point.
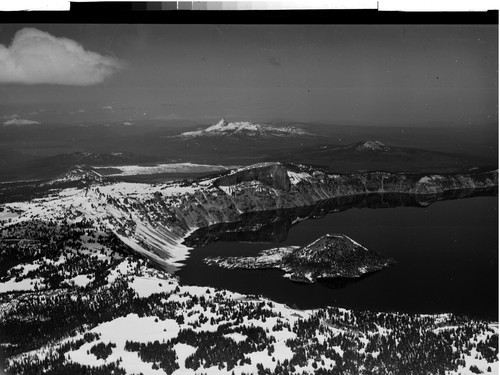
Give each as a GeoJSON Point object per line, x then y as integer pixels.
{"type": "Point", "coordinates": [145, 286]}
{"type": "Point", "coordinates": [132, 328]}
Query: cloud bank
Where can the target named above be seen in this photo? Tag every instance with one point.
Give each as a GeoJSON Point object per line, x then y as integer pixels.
{"type": "Point", "coordinates": [20, 122]}
{"type": "Point", "coordinates": [36, 57]}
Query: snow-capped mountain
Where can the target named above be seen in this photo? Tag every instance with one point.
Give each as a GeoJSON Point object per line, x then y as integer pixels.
{"type": "Point", "coordinates": [371, 146]}
{"type": "Point", "coordinates": [245, 128]}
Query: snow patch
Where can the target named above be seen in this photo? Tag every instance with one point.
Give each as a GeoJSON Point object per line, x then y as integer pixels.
{"type": "Point", "coordinates": [145, 287]}
{"type": "Point", "coordinates": [81, 280]}
{"type": "Point", "coordinates": [14, 286]}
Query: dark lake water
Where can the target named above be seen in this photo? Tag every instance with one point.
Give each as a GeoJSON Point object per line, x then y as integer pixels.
{"type": "Point", "coordinates": [447, 260]}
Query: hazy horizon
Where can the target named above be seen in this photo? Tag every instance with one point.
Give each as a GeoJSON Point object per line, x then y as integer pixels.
{"type": "Point", "coordinates": [393, 75]}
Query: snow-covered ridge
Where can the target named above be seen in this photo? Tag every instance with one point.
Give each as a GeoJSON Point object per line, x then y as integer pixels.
{"type": "Point", "coordinates": [257, 166]}
{"type": "Point", "coordinates": [246, 128]}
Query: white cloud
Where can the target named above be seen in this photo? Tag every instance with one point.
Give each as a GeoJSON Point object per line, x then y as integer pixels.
{"type": "Point", "coordinates": [20, 121]}
{"type": "Point", "coordinates": [36, 57]}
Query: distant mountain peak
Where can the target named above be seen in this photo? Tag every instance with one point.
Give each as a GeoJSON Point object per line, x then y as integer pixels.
{"type": "Point", "coordinates": [80, 174]}
{"type": "Point", "coordinates": [246, 128]}
{"type": "Point", "coordinates": [371, 146]}
{"type": "Point", "coordinates": [222, 122]}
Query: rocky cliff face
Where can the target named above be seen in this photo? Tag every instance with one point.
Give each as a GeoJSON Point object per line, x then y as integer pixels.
{"type": "Point", "coordinates": [274, 175]}
{"type": "Point", "coordinates": [277, 187]}
{"type": "Point", "coordinates": [273, 225]}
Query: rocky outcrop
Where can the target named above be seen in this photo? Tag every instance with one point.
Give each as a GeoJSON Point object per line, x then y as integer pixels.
{"type": "Point", "coordinates": [330, 256]}
{"type": "Point", "coordinates": [259, 190]}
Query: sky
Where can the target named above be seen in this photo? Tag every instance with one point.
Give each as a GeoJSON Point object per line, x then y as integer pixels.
{"type": "Point", "coordinates": [339, 74]}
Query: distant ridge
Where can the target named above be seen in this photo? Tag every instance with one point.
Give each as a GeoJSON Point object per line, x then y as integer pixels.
{"type": "Point", "coordinates": [371, 146]}
{"type": "Point", "coordinates": [373, 155]}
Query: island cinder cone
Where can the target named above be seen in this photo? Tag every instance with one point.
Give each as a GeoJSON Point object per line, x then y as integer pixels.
{"type": "Point", "coordinates": [330, 256]}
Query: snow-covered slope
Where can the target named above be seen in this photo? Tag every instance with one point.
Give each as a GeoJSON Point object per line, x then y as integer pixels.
{"type": "Point", "coordinates": [245, 128]}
